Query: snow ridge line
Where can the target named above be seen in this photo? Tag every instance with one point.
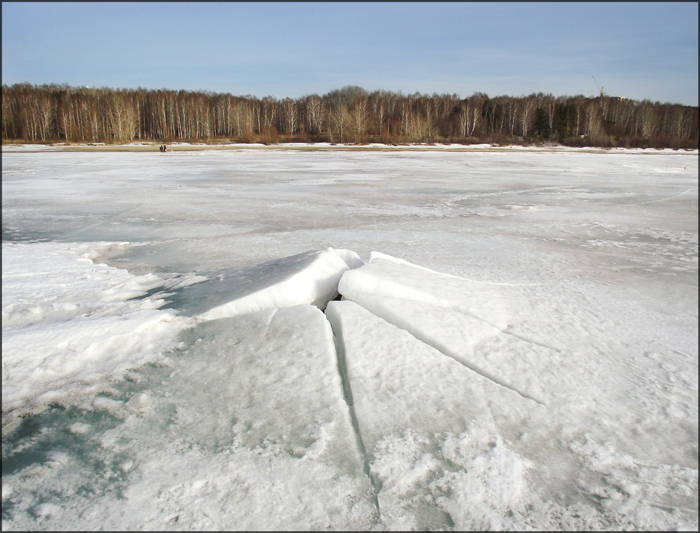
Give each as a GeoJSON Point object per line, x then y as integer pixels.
{"type": "Point", "coordinates": [347, 393]}
{"type": "Point", "coordinates": [462, 310]}
{"type": "Point", "coordinates": [379, 255]}
{"type": "Point", "coordinates": [446, 351]}
{"type": "Point", "coordinates": [661, 199]}
{"type": "Point", "coordinates": [529, 341]}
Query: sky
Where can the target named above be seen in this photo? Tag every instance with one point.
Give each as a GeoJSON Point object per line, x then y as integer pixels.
{"type": "Point", "coordinates": [291, 49]}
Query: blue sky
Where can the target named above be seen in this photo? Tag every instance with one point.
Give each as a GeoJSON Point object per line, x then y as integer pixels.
{"type": "Point", "coordinates": [636, 50]}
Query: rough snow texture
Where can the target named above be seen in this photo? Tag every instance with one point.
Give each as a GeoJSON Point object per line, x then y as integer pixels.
{"type": "Point", "coordinates": [434, 431]}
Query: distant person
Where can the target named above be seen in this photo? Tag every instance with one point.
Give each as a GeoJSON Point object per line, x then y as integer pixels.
{"type": "Point", "coordinates": [165, 148]}
{"type": "Point", "coordinates": [160, 148]}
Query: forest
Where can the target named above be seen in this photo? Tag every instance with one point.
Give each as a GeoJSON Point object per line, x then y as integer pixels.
{"type": "Point", "coordinates": [60, 113]}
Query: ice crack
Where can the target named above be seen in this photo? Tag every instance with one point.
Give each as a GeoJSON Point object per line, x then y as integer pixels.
{"type": "Point", "coordinates": [389, 315]}
{"type": "Point", "coordinates": [347, 393]}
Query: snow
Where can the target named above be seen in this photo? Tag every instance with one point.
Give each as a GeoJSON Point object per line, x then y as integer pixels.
{"type": "Point", "coordinates": [458, 317]}
{"type": "Point", "coordinates": [515, 347]}
{"type": "Point", "coordinates": [541, 386]}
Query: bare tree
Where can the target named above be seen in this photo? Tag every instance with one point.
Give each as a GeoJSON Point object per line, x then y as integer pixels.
{"type": "Point", "coordinates": [406, 113]}
{"type": "Point", "coordinates": [379, 111]}
{"type": "Point", "coordinates": [430, 115]}
{"type": "Point", "coordinates": [341, 119]}
{"type": "Point", "coordinates": [594, 121]}
{"type": "Point", "coordinates": [549, 104]}
{"type": "Point", "coordinates": [579, 103]}
{"type": "Point", "coordinates": [359, 119]}
{"type": "Point", "coordinates": [528, 114]}
{"type": "Point", "coordinates": [649, 119]}
{"type": "Point", "coordinates": [51, 112]}
{"type": "Point", "coordinates": [314, 114]}
{"type": "Point", "coordinates": [513, 110]}
{"type": "Point", "coordinates": [290, 115]}
{"type": "Point", "coordinates": [45, 114]}
{"type": "Point", "coordinates": [269, 110]}
{"type": "Point", "coordinates": [468, 118]}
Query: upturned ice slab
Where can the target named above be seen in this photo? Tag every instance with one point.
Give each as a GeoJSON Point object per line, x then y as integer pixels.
{"type": "Point", "coordinates": [307, 278]}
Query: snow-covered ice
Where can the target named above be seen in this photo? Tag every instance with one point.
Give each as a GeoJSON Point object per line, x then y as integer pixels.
{"type": "Point", "coordinates": [411, 396]}
{"type": "Point", "coordinates": [515, 345]}
{"type": "Point", "coordinates": [249, 430]}
{"type": "Point", "coordinates": [425, 423]}
{"type": "Point", "coordinates": [67, 322]}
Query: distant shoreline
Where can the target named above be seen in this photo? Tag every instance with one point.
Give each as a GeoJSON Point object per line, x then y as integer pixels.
{"type": "Point", "coordinates": [194, 147]}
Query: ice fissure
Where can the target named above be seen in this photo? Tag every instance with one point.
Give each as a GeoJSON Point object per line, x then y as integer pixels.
{"type": "Point", "coordinates": [416, 333]}
{"type": "Point", "coordinates": [347, 393]}
{"type": "Point", "coordinates": [427, 429]}
{"type": "Point", "coordinates": [306, 278]}
{"type": "Point", "coordinates": [445, 350]}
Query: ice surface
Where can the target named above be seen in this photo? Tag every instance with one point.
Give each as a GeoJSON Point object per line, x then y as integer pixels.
{"type": "Point", "coordinates": [485, 326]}
{"type": "Point", "coordinates": [415, 406]}
{"type": "Point", "coordinates": [387, 276]}
{"type": "Point", "coordinates": [251, 432]}
{"type": "Point", "coordinates": [587, 387]}
{"type": "Point", "coordinates": [528, 338]}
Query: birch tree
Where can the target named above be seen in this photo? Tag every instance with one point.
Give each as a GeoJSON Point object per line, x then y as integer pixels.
{"type": "Point", "coordinates": [314, 116]}
{"type": "Point", "coordinates": [341, 119]}
{"type": "Point", "coordinates": [359, 119]}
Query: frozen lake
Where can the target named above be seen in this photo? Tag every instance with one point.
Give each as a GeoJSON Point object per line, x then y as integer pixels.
{"type": "Point", "coordinates": [206, 340]}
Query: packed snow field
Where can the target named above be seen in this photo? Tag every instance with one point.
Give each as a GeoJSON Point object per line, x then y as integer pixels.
{"type": "Point", "coordinates": [350, 340]}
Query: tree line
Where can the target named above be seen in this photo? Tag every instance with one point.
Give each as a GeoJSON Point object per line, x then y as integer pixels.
{"type": "Point", "coordinates": [60, 113]}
